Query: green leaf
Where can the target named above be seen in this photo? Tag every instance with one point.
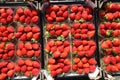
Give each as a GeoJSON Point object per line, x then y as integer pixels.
{"type": "Point", "coordinates": [33, 40]}
{"type": "Point", "coordinates": [60, 38]}
{"type": "Point", "coordinates": [109, 32]}
{"type": "Point", "coordinates": [47, 34]}
{"type": "Point", "coordinates": [82, 20]}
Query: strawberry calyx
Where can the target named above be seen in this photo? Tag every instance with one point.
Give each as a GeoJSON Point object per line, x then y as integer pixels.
{"type": "Point", "coordinates": [82, 20]}
{"type": "Point", "coordinates": [47, 34]}
{"type": "Point", "coordinates": [60, 38]}
{"type": "Point", "coordinates": [109, 32]}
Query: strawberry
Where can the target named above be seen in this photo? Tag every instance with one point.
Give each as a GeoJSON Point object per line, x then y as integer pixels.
{"type": "Point", "coordinates": [113, 60]}
{"type": "Point", "coordinates": [9, 11]}
{"type": "Point", "coordinates": [29, 35]}
{"type": "Point", "coordinates": [3, 76]}
{"type": "Point", "coordinates": [50, 19]}
{"type": "Point", "coordinates": [53, 73]}
{"type": "Point", "coordinates": [28, 45]}
{"type": "Point", "coordinates": [65, 14]}
{"type": "Point", "coordinates": [28, 62]}
{"type": "Point", "coordinates": [51, 61]}
{"type": "Point", "coordinates": [10, 73]}
{"type": "Point", "coordinates": [19, 53]}
{"type": "Point", "coordinates": [72, 16]}
{"type": "Point", "coordinates": [53, 15]}
{"type": "Point", "coordinates": [36, 36]}
{"type": "Point", "coordinates": [108, 68]}
{"type": "Point", "coordinates": [34, 12]}
{"type": "Point", "coordinates": [29, 68]}
{"type": "Point", "coordinates": [84, 60]}
{"type": "Point", "coordinates": [74, 67]}
{"type": "Point", "coordinates": [64, 8]}
{"type": "Point", "coordinates": [92, 61]}
{"type": "Point", "coordinates": [35, 46]}
{"type": "Point", "coordinates": [18, 34]}
{"type": "Point", "coordinates": [92, 68]}
{"type": "Point", "coordinates": [86, 65]}
{"type": "Point", "coordinates": [76, 60]}
{"type": "Point", "coordinates": [81, 53]}
{"type": "Point", "coordinates": [114, 68]}
{"type": "Point", "coordinates": [23, 51]}
{"type": "Point", "coordinates": [20, 45]}
{"type": "Point", "coordinates": [55, 8]}
{"type": "Point", "coordinates": [80, 64]}
{"type": "Point", "coordinates": [80, 71]}
{"type": "Point", "coordinates": [20, 28]}
{"type": "Point", "coordinates": [59, 13]}
{"type": "Point", "coordinates": [19, 11]}
{"type": "Point", "coordinates": [66, 69]}
{"type": "Point", "coordinates": [10, 46]}
{"type": "Point", "coordinates": [27, 20]}
{"type": "Point", "coordinates": [27, 73]}
{"type": "Point", "coordinates": [78, 16]}
{"type": "Point", "coordinates": [74, 8]}
{"type": "Point", "coordinates": [86, 70]}
{"type": "Point", "coordinates": [23, 37]}
{"type": "Point", "coordinates": [64, 55]}
{"type": "Point", "coordinates": [3, 64]}
{"type": "Point", "coordinates": [5, 57]}
{"type": "Point", "coordinates": [35, 19]}
{"type": "Point", "coordinates": [36, 64]}
{"type": "Point", "coordinates": [27, 12]}
{"type": "Point", "coordinates": [35, 72]}
{"type": "Point", "coordinates": [117, 59]}
{"type": "Point", "coordinates": [66, 43]}
{"type": "Point", "coordinates": [20, 62]}
{"type": "Point", "coordinates": [17, 68]}
{"type": "Point", "coordinates": [56, 54]}
{"type": "Point", "coordinates": [67, 61]}
{"type": "Point", "coordinates": [16, 17]}
{"type": "Point", "coordinates": [10, 29]}
{"type": "Point", "coordinates": [4, 70]}
{"type": "Point", "coordinates": [23, 68]}
{"type": "Point", "coordinates": [59, 71]}
{"type": "Point", "coordinates": [30, 53]}
{"type": "Point", "coordinates": [28, 28]}
{"type": "Point", "coordinates": [11, 53]}
{"type": "Point", "coordinates": [59, 19]}
{"type": "Point", "coordinates": [77, 36]}
{"type": "Point", "coordinates": [22, 18]}
{"type": "Point", "coordinates": [107, 59]}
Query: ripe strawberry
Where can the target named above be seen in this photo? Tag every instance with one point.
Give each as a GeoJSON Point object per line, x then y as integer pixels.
{"type": "Point", "coordinates": [108, 68]}
{"type": "Point", "coordinates": [51, 61]}
{"type": "Point", "coordinates": [16, 17]}
{"type": "Point", "coordinates": [23, 68]}
{"type": "Point", "coordinates": [36, 36]}
{"type": "Point", "coordinates": [10, 73]}
{"type": "Point", "coordinates": [19, 53]}
{"type": "Point", "coordinates": [92, 68]}
{"type": "Point", "coordinates": [30, 53]}
{"type": "Point", "coordinates": [66, 69]}
{"type": "Point", "coordinates": [59, 19]}
{"type": "Point", "coordinates": [53, 73]}
{"type": "Point", "coordinates": [35, 19]}
{"type": "Point", "coordinates": [29, 68]}
{"type": "Point", "coordinates": [28, 45]}
{"type": "Point", "coordinates": [4, 70]}
{"type": "Point", "coordinates": [76, 60]}
{"type": "Point", "coordinates": [92, 61]}
{"type": "Point", "coordinates": [36, 64]}
{"type": "Point", "coordinates": [59, 13]}
{"type": "Point", "coordinates": [28, 62]}
{"type": "Point", "coordinates": [34, 12]}
{"type": "Point", "coordinates": [27, 73]}
{"type": "Point", "coordinates": [11, 53]}
{"type": "Point", "coordinates": [27, 20]}
{"type": "Point", "coordinates": [10, 29]}
{"type": "Point", "coordinates": [84, 60]}
{"type": "Point", "coordinates": [59, 71]}
{"type": "Point", "coordinates": [28, 28]}
{"type": "Point", "coordinates": [29, 35]}
{"type": "Point", "coordinates": [17, 68]}
{"type": "Point", "coordinates": [35, 29]}
{"type": "Point", "coordinates": [65, 14]}
{"type": "Point", "coordinates": [22, 18]}
{"type": "Point", "coordinates": [35, 72]}
{"type": "Point", "coordinates": [37, 53]}
{"type": "Point", "coordinates": [86, 70]}
{"type": "Point", "coordinates": [20, 45]}
{"type": "Point", "coordinates": [5, 56]}
{"type": "Point", "coordinates": [64, 55]}
{"type": "Point", "coordinates": [10, 46]}
{"type": "Point", "coordinates": [23, 51]}
{"type": "Point", "coordinates": [50, 19]}
{"type": "Point", "coordinates": [107, 59]}
{"type": "Point", "coordinates": [53, 15]}
{"type": "Point", "coordinates": [3, 76]}
{"type": "Point", "coordinates": [20, 28]}
{"type": "Point", "coordinates": [9, 11]}
{"type": "Point", "coordinates": [113, 60]}
{"type": "Point", "coordinates": [74, 8]}
{"type": "Point", "coordinates": [56, 54]}
{"type": "Point", "coordinates": [72, 16]}
{"type": "Point", "coordinates": [64, 8]}
{"type": "Point", "coordinates": [80, 71]}
{"type": "Point", "coordinates": [114, 68]}
{"type": "Point", "coordinates": [20, 62]}
{"type": "Point", "coordinates": [78, 16]}
{"type": "Point", "coordinates": [67, 61]}
{"type": "Point", "coordinates": [74, 67]}
{"type": "Point", "coordinates": [19, 11]}
{"type": "Point", "coordinates": [23, 37]}
{"type": "Point", "coordinates": [27, 12]}
{"type": "Point", "coordinates": [18, 34]}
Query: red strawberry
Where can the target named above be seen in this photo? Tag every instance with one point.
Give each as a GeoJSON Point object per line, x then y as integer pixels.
{"type": "Point", "coordinates": [11, 53]}
{"type": "Point", "coordinates": [77, 36]}
{"type": "Point", "coordinates": [30, 53]}
{"type": "Point", "coordinates": [17, 68]}
{"type": "Point", "coordinates": [81, 53]}
{"type": "Point", "coordinates": [80, 64]}
{"type": "Point", "coordinates": [50, 19]}
{"type": "Point", "coordinates": [59, 13]}
{"type": "Point", "coordinates": [117, 59]}
{"type": "Point", "coordinates": [18, 34]}
{"type": "Point", "coordinates": [58, 32]}
{"type": "Point", "coordinates": [36, 36]}
{"type": "Point", "coordinates": [113, 60]}
{"type": "Point", "coordinates": [9, 11]}
{"type": "Point", "coordinates": [92, 61]}
{"type": "Point", "coordinates": [58, 43]}
{"type": "Point", "coordinates": [51, 43]}
{"type": "Point", "coordinates": [114, 68]}
{"type": "Point", "coordinates": [35, 46]}
{"type": "Point", "coordinates": [10, 46]}
{"type": "Point", "coordinates": [22, 18]}
{"type": "Point", "coordinates": [74, 67]}
{"type": "Point", "coordinates": [64, 55]}
{"type": "Point", "coordinates": [74, 8]}
{"type": "Point", "coordinates": [23, 51]}
{"type": "Point", "coordinates": [20, 28]}
{"type": "Point", "coordinates": [19, 53]}
{"type": "Point", "coordinates": [36, 64]}
{"type": "Point", "coordinates": [86, 65]}
{"type": "Point", "coordinates": [51, 61]}
{"type": "Point", "coordinates": [67, 61]}
{"type": "Point", "coordinates": [84, 60]}
{"type": "Point", "coordinates": [19, 11]}
{"type": "Point", "coordinates": [66, 43]}
{"type": "Point", "coordinates": [10, 36]}
{"type": "Point", "coordinates": [76, 60]}
{"type": "Point", "coordinates": [107, 59]}
{"type": "Point", "coordinates": [10, 73]}
{"type": "Point", "coordinates": [35, 71]}
{"type": "Point", "coordinates": [27, 73]}
{"type": "Point", "coordinates": [59, 71]}
{"type": "Point", "coordinates": [29, 35]}
{"type": "Point", "coordinates": [28, 45]}
{"type": "Point", "coordinates": [37, 53]}
{"type": "Point", "coordinates": [29, 68]}
{"type": "Point", "coordinates": [80, 71]}
{"type": "Point", "coordinates": [27, 20]}
{"type": "Point", "coordinates": [64, 8]}
{"type": "Point", "coordinates": [20, 62]}
{"type": "Point", "coordinates": [35, 19]}
{"type": "Point", "coordinates": [34, 12]}
{"type": "Point", "coordinates": [56, 54]}
{"type": "Point", "coordinates": [59, 19]}
{"type": "Point", "coordinates": [72, 16]}
{"type": "Point", "coordinates": [66, 69]}
{"type": "Point", "coordinates": [4, 70]}
{"type": "Point", "coordinates": [53, 15]}
{"type": "Point", "coordinates": [53, 73]}
{"type": "Point", "coordinates": [77, 43]}
{"type": "Point", "coordinates": [27, 12]}
{"type": "Point", "coordinates": [86, 70]}
{"type": "Point", "coordinates": [20, 45]}
{"type": "Point", "coordinates": [3, 64]}
{"type": "Point", "coordinates": [28, 62]}
{"type": "Point", "coordinates": [55, 8]}
{"type": "Point", "coordinates": [23, 68]}
{"type": "Point", "coordinates": [3, 76]}
{"type": "Point", "coordinates": [78, 16]}
{"type": "Point", "coordinates": [53, 49]}
{"type": "Point", "coordinates": [28, 28]}
{"type": "Point", "coordinates": [16, 17]}
{"type": "Point", "coordinates": [23, 37]}
{"type": "Point", "coordinates": [92, 68]}
{"type": "Point", "coordinates": [10, 29]}
{"type": "Point", "coordinates": [65, 14]}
